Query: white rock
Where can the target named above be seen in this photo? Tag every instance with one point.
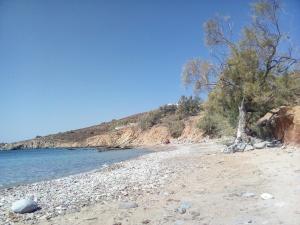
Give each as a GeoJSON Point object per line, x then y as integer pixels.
{"type": "Point", "coordinates": [260, 145]}
{"type": "Point", "coordinates": [248, 148]}
{"type": "Point", "coordinates": [266, 196]}
{"type": "Point", "coordinates": [248, 195]}
{"type": "Point", "coordinates": [24, 206]}
{"type": "Point", "coordinates": [179, 222]}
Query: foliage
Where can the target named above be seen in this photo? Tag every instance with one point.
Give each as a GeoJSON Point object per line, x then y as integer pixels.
{"type": "Point", "coordinates": [174, 124]}
{"type": "Point", "coordinates": [117, 123]}
{"type": "Point", "coordinates": [167, 109]}
{"type": "Point", "coordinates": [263, 132]}
{"type": "Point", "coordinates": [215, 125]}
{"type": "Point", "coordinates": [176, 128]}
{"type": "Point", "coordinates": [172, 115]}
{"type": "Point", "coordinates": [150, 119]}
{"type": "Point", "coordinates": [259, 68]}
{"type": "Point", "coordinates": [188, 106]}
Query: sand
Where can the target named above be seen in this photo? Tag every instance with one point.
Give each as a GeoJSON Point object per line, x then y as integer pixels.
{"type": "Point", "coordinates": [212, 187]}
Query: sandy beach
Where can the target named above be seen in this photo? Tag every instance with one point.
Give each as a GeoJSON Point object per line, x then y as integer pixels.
{"type": "Point", "coordinates": [184, 184]}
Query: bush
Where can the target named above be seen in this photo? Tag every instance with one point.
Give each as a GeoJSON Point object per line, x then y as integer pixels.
{"type": "Point", "coordinates": [175, 125]}
{"type": "Point", "coordinates": [215, 125]}
{"type": "Point", "coordinates": [188, 106]}
{"type": "Point", "coordinates": [168, 109]}
{"type": "Point", "coordinates": [150, 119]}
{"type": "Point", "coordinates": [171, 115]}
{"type": "Point", "coordinates": [263, 132]}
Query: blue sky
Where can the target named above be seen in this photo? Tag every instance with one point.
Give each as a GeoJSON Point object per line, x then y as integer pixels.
{"type": "Point", "coordinates": [67, 64]}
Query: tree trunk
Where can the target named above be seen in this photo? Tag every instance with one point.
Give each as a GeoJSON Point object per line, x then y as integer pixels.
{"type": "Point", "coordinates": [241, 139]}
{"type": "Point", "coordinates": [241, 128]}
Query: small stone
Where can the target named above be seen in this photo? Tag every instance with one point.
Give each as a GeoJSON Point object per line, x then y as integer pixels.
{"type": "Point", "coordinates": [181, 210]}
{"type": "Point", "coordinates": [128, 205]}
{"type": "Point", "coordinates": [179, 222]}
{"type": "Point", "coordinates": [183, 207]}
{"type": "Point", "coordinates": [93, 218]}
{"type": "Point", "coordinates": [24, 206]}
{"type": "Point", "coordinates": [266, 196]}
{"type": "Point", "coordinates": [248, 148]}
{"type": "Point", "coordinates": [146, 221]}
{"type": "Point", "coordinates": [248, 195]}
{"type": "Point", "coordinates": [195, 214]}
{"type": "Point", "coordinates": [240, 147]}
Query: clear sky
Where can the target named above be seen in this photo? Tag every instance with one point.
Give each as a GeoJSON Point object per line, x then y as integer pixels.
{"type": "Point", "coordinates": [67, 64]}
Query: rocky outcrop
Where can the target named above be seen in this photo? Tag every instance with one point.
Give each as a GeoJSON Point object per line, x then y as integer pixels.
{"type": "Point", "coordinates": [131, 137]}
{"type": "Point", "coordinates": [122, 137]}
{"type": "Point", "coordinates": [191, 132]}
{"type": "Point", "coordinates": [284, 123]}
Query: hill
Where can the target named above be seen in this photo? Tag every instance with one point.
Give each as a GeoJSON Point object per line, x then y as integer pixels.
{"type": "Point", "coordinates": [160, 126]}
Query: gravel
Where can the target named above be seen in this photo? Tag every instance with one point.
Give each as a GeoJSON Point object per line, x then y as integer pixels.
{"type": "Point", "coordinates": [124, 181]}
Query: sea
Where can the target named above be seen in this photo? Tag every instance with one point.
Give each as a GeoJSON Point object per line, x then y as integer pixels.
{"type": "Point", "coordinates": [33, 165]}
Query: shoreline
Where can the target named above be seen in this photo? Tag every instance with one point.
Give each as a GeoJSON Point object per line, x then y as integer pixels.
{"type": "Point", "coordinates": [218, 188]}
{"type": "Point", "coordinates": [75, 148]}
{"type": "Point", "coordinates": [97, 169]}
{"type": "Point", "coordinates": [100, 178]}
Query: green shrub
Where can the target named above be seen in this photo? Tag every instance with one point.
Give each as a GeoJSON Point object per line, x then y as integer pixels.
{"type": "Point", "coordinates": [167, 110]}
{"type": "Point", "coordinates": [175, 127]}
{"type": "Point", "coordinates": [215, 125]}
{"type": "Point", "coordinates": [263, 132]}
{"type": "Point", "coordinates": [188, 106]}
{"type": "Point", "coordinates": [150, 119]}
{"type": "Point", "coordinates": [171, 115]}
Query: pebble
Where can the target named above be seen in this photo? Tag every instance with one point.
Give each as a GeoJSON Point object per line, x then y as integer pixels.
{"type": "Point", "coordinates": [248, 195]}
{"type": "Point", "coordinates": [179, 222]}
{"type": "Point", "coordinates": [266, 196]}
{"type": "Point", "coordinates": [183, 207]}
{"type": "Point", "coordinates": [128, 205]}
{"type": "Point", "coordinates": [146, 221]}
{"type": "Point", "coordinates": [128, 179]}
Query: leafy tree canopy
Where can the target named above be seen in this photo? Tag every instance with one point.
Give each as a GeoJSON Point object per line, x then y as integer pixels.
{"type": "Point", "coordinates": [260, 68]}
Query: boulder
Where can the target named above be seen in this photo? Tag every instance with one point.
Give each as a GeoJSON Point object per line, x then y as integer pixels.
{"type": "Point", "coordinates": [274, 144]}
{"type": "Point", "coordinates": [248, 148]}
{"type": "Point", "coordinates": [260, 145]}
{"type": "Point", "coordinates": [240, 147]}
{"type": "Point", "coordinates": [24, 206]}
{"type": "Point", "coordinates": [236, 147]}
{"type": "Point", "coordinates": [284, 124]}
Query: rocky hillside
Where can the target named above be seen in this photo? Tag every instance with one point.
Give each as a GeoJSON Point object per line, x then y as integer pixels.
{"type": "Point", "coordinates": [284, 124]}
{"type": "Point", "coordinates": [123, 133]}
{"type": "Point", "coordinates": [165, 125]}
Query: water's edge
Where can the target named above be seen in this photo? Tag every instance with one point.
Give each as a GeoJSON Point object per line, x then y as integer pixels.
{"type": "Point", "coordinates": [135, 153]}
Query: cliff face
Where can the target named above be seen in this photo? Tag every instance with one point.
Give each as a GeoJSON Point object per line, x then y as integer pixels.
{"type": "Point", "coordinates": [284, 123]}
{"type": "Point", "coordinates": [105, 136]}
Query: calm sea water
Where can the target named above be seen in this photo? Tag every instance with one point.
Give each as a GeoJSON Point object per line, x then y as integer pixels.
{"type": "Point", "coordinates": [28, 166]}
